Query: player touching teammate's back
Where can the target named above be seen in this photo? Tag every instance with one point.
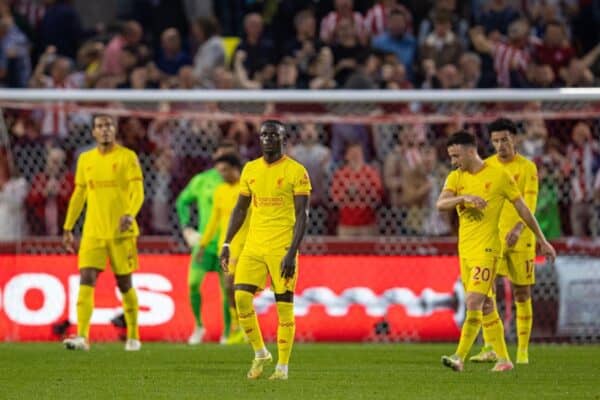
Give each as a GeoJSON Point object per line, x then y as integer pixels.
{"type": "Point", "coordinates": [478, 191]}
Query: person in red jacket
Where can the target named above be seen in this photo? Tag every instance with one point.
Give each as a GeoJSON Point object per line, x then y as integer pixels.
{"type": "Point", "coordinates": [356, 190]}
{"type": "Point", "coordinates": [48, 197]}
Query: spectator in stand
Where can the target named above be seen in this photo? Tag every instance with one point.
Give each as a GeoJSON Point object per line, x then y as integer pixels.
{"type": "Point", "coordinates": [348, 53]}
{"type": "Point", "coordinates": [583, 153]}
{"type": "Point", "coordinates": [442, 46]}
{"type": "Point", "coordinates": [376, 19]}
{"type": "Point", "coordinates": [356, 191]}
{"type": "Point", "coordinates": [497, 18]}
{"type": "Point", "coordinates": [470, 70]}
{"type": "Point", "coordinates": [321, 71]}
{"type": "Point", "coordinates": [61, 28]}
{"type": "Point", "coordinates": [316, 158]}
{"type": "Point", "coordinates": [27, 143]}
{"type": "Point", "coordinates": [578, 73]}
{"type": "Point", "coordinates": [13, 190]}
{"type": "Point", "coordinates": [89, 63]}
{"type": "Point", "coordinates": [259, 51]}
{"type": "Point", "coordinates": [344, 10]}
{"type": "Point", "coordinates": [305, 46]}
{"type": "Point", "coordinates": [397, 40]}
{"type": "Point", "coordinates": [287, 74]}
{"type": "Point", "coordinates": [222, 78]}
{"type": "Point", "coordinates": [460, 26]}
{"type": "Point", "coordinates": [161, 192]}
{"type": "Point", "coordinates": [555, 50]}
{"type": "Point", "coordinates": [14, 55]}
{"type": "Point", "coordinates": [171, 55]}
{"type": "Point", "coordinates": [393, 76]}
{"type": "Point", "coordinates": [533, 145]}
{"type": "Point", "coordinates": [49, 195]}
{"type": "Point", "coordinates": [547, 211]}
{"type": "Point", "coordinates": [54, 121]}
{"type": "Point", "coordinates": [435, 223]}
{"type": "Point", "coordinates": [211, 53]}
{"type": "Point", "coordinates": [131, 34]}
{"type": "Point", "coordinates": [133, 134]}
{"type": "Point", "coordinates": [507, 57]}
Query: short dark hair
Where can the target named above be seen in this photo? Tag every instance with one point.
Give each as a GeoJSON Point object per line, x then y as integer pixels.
{"type": "Point", "coordinates": [463, 138]}
{"type": "Point", "coordinates": [209, 25]}
{"type": "Point", "coordinates": [273, 122]}
{"type": "Point", "coordinates": [502, 124]}
{"type": "Point", "coordinates": [231, 159]}
{"type": "Point", "coordinates": [101, 115]}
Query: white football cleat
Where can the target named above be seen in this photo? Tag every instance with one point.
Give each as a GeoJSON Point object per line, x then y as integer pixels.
{"type": "Point", "coordinates": [197, 336]}
{"type": "Point", "coordinates": [76, 343]}
{"type": "Point", "coordinates": [133, 345]}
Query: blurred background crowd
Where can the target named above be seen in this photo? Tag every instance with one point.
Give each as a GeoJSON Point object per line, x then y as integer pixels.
{"type": "Point", "coordinates": [369, 178]}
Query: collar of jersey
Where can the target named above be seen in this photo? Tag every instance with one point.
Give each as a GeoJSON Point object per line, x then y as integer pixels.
{"type": "Point", "coordinates": [110, 152]}
{"type": "Point", "coordinates": [283, 157]}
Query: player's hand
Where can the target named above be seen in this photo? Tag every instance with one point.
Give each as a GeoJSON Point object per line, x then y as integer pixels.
{"type": "Point", "coordinates": [224, 259]}
{"type": "Point", "coordinates": [191, 236]}
{"type": "Point", "coordinates": [69, 241]}
{"type": "Point", "coordinates": [547, 250]}
{"type": "Point", "coordinates": [513, 236]}
{"type": "Point", "coordinates": [125, 223]}
{"type": "Point", "coordinates": [474, 202]}
{"type": "Point", "coordinates": [288, 266]}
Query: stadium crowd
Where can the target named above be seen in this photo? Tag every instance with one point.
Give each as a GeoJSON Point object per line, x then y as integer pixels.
{"type": "Point", "coordinates": [368, 179]}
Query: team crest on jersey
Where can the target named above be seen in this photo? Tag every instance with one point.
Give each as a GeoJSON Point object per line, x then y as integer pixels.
{"type": "Point", "coordinates": [114, 167]}
{"type": "Point", "coordinates": [488, 185]}
{"type": "Point", "coordinates": [279, 182]}
{"type": "Point", "coordinates": [516, 177]}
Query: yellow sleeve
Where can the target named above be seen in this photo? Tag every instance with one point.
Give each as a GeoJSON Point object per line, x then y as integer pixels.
{"type": "Point", "coordinates": [213, 222]}
{"type": "Point", "coordinates": [78, 198]}
{"type": "Point", "coordinates": [510, 190]}
{"type": "Point", "coordinates": [302, 184]}
{"type": "Point", "coordinates": [136, 186]}
{"type": "Point", "coordinates": [245, 181]}
{"type": "Point", "coordinates": [451, 184]}
{"type": "Point", "coordinates": [530, 193]}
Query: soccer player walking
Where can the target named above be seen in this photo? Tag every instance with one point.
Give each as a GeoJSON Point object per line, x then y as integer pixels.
{"type": "Point", "coordinates": [278, 190]}
{"type": "Point", "coordinates": [109, 182]}
{"type": "Point", "coordinates": [200, 190]}
{"type": "Point", "coordinates": [478, 190]}
{"type": "Point", "coordinates": [517, 257]}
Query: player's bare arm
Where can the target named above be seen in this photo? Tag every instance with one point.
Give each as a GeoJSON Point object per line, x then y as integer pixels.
{"type": "Point", "coordinates": [288, 264]}
{"type": "Point", "coordinates": [512, 237]}
{"type": "Point", "coordinates": [526, 215]}
{"type": "Point", "coordinates": [448, 201]}
{"type": "Point", "coordinates": [238, 216]}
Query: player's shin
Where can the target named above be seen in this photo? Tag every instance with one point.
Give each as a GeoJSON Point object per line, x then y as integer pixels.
{"type": "Point", "coordinates": [469, 332]}
{"type": "Point", "coordinates": [524, 323]}
{"type": "Point", "coordinates": [85, 307]}
{"type": "Point", "coordinates": [285, 332]}
{"type": "Point", "coordinates": [130, 309]}
{"type": "Point", "coordinates": [248, 319]}
{"type": "Point", "coordinates": [494, 333]}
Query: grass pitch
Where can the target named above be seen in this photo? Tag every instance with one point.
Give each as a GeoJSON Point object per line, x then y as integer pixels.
{"type": "Point", "coordinates": [318, 371]}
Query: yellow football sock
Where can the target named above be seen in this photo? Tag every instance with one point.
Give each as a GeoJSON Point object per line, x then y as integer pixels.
{"type": "Point", "coordinates": [235, 325]}
{"type": "Point", "coordinates": [494, 330]}
{"type": "Point", "coordinates": [85, 307]}
{"type": "Point", "coordinates": [248, 319]}
{"type": "Point", "coordinates": [524, 323]}
{"type": "Point", "coordinates": [469, 332]}
{"type": "Point", "coordinates": [285, 331]}
{"type": "Point", "coordinates": [130, 309]}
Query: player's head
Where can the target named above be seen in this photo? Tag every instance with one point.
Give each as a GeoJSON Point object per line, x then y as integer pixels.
{"type": "Point", "coordinates": [272, 137]}
{"type": "Point", "coordinates": [229, 166]}
{"type": "Point", "coordinates": [104, 129]}
{"type": "Point", "coordinates": [225, 147]}
{"type": "Point", "coordinates": [462, 149]}
{"type": "Point", "coordinates": [502, 134]}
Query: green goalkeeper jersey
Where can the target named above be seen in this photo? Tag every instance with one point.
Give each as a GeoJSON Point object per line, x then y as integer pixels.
{"type": "Point", "coordinates": [199, 190]}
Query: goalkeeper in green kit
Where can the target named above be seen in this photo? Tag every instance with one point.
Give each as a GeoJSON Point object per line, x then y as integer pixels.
{"type": "Point", "coordinates": [200, 191]}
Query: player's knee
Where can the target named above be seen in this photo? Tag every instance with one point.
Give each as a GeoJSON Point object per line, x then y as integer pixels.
{"type": "Point", "coordinates": [474, 301]}
{"type": "Point", "coordinates": [488, 306]}
{"type": "Point", "coordinates": [287, 297]}
{"type": "Point", "coordinates": [87, 276]}
{"type": "Point", "coordinates": [124, 283]}
{"type": "Point", "coordinates": [522, 293]}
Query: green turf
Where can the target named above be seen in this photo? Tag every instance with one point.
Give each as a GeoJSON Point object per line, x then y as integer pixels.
{"type": "Point", "coordinates": [333, 371]}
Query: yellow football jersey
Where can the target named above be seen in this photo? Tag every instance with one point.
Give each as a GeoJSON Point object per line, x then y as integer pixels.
{"type": "Point", "coordinates": [478, 229]}
{"type": "Point", "coordinates": [524, 173]}
{"type": "Point", "coordinates": [224, 200]}
{"type": "Point", "coordinates": [272, 188]}
{"type": "Point", "coordinates": [111, 185]}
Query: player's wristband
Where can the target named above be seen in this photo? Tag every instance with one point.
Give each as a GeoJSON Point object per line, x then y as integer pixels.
{"type": "Point", "coordinates": [225, 245]}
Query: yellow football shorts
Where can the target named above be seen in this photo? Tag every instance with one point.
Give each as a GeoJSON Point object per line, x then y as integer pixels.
{"type": "Point", "coordinates": [478, 275]}
{"type": "Point", "coordinates": [121, 252]}
{"type": "Point", "coordinates": [519, 266]}
{"type": "Point", "coordinates": [254, 266]}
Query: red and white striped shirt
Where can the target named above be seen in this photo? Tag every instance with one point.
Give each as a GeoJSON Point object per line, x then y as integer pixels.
{"type": "Point", "coordinates": [376, 19]}
{"type": "Point", "coordinates": [32, 10]}
{"type": "Point", "coordinates": [329, 23]}
{"type": "Point", "coordinates": [507, 57]}
{"type": "Point", "coordinates": [55, 118]}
